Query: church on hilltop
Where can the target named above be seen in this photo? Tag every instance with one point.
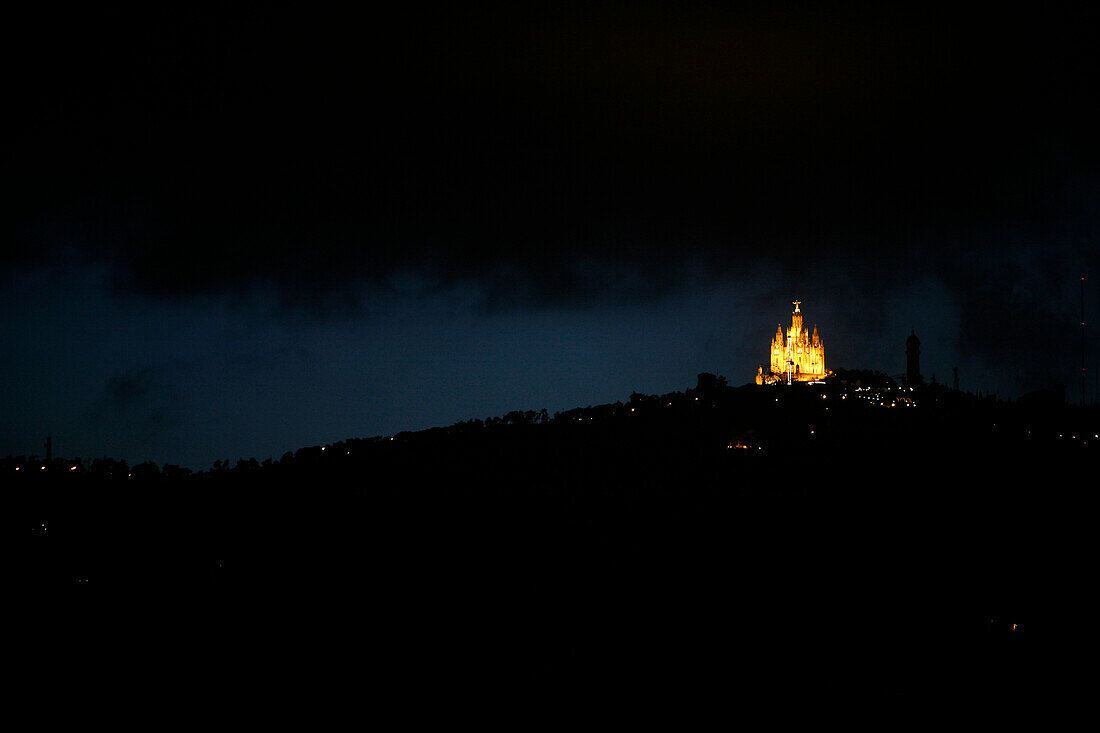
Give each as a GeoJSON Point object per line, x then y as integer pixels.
{"type": "Point", "coordinates": [800, 357]}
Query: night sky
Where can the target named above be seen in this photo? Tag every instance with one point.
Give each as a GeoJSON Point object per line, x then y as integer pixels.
{"type": "Point", "coordinates": [234, 231]}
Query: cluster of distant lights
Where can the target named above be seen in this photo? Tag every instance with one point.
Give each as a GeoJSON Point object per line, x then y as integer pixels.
{"type": "Point", "coordinates": [741, 445]}
{"type": "Point", "coordinates": [873, 398]}
{"type": "Point", "coordinates": [72, 469]}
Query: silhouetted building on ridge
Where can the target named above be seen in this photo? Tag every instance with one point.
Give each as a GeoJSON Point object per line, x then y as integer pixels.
{"type": "Point", "coordinates": [912, 359]}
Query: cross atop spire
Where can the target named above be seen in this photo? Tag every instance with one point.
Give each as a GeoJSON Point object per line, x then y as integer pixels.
{"type": "Point", "coordinates": [796, 304]}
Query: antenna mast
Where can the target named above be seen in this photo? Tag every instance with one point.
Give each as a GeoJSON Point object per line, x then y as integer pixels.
{"type": "Point", "coordinates": [1083, 341]}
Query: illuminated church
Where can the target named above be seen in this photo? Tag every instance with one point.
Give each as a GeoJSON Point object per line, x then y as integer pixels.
{"type": "Point", "coordinates": [800, 357]}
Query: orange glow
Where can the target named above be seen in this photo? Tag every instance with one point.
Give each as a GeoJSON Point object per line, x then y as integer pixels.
{"type": "Point", "coordinates": [799, 351]}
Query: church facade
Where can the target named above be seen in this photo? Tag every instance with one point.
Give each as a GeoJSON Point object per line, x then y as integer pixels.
{"type": "Point", "coordinates": [799, 355]}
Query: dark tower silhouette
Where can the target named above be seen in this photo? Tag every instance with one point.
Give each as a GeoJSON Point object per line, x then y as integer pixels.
{"type": "Point", "coordinates": [912, 359]}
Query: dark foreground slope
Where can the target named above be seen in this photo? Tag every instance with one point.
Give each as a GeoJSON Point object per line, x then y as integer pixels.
{"type": "Point", "coordinates": [690, 526]}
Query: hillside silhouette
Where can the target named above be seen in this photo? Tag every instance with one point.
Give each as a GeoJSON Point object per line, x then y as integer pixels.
{"type": "Point", "coordinates": [685, 523]}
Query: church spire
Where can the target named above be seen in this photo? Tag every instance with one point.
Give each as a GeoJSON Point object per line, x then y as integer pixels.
{"type": "Point", "coordinates": [912, 359]}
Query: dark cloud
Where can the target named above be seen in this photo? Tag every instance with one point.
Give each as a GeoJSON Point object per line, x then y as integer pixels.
{"type": "Point", "coordinates": [549, 157]}
{"type": "Point", "coordinates": [141, 406]}
{"type": "Point", "coordinates": [131, 389]}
